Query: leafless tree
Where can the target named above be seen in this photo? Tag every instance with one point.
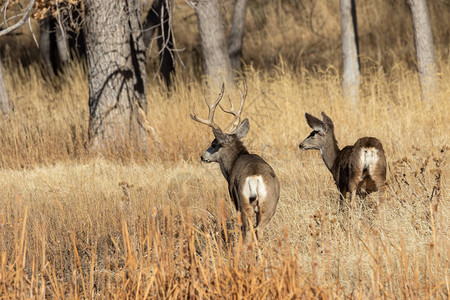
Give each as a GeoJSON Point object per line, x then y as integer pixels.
{"type": "Point", "coordinates": [61, 36]}
{"type": "Point", "coordinates": [236, 37]}
{"type": "Point", "coordinates": [159, 19]}
{"type": "Point", "coordinates": [6, 104]}
{"type": "Point", "coordinates": [23, 18]}
{"type": "Point", "coordinates": [351, 75]}
{"type": "Point", "coordinates": [116, 74]}
{"type": "Point", "coordinates": [426, 58]}
{"type": "Point", "coordinates": [216, 61]}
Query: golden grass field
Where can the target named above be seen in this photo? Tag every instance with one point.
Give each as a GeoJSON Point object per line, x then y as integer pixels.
{"type": "Point", "coordinates": [78, 225]}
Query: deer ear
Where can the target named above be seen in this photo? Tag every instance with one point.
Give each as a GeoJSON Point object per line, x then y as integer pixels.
{"type": "Point", "coordinates": [314, 123]}
{"type": "Point", "coordinates": [243, 128]}
{"type": "Point", "coordinates": [326, 119]}
{"type": "Point", "coordinates": [220, 136]}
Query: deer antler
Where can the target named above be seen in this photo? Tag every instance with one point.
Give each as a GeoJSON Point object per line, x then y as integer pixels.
{"type": "Point", "coordinates": [212, 109]}
{"type": "Point", "coordinates": [236, 113]}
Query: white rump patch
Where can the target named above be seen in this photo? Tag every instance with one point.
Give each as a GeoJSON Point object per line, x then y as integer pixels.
{"type": "Point", "coordinates": [369, 158]}
{"type": "Point", "coordinates": [254, 187]}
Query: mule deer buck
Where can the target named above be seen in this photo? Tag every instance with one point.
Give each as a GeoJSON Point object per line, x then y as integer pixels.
{"type": "Point", "coordinates": [358, 169]}
{"type": "Point", "coordinates": [252, 183]}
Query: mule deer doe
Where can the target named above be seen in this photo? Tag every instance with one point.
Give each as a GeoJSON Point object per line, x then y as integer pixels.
{"type": "Point", "coordinates": [252, 183]}
{"type": "Point", "coordinates": [358, 169]}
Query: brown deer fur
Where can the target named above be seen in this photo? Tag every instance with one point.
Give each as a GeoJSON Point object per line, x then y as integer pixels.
{"type": "Point", "coordinates": [358, 169]}
{"type": "Point", "coordinates": [252, 183]}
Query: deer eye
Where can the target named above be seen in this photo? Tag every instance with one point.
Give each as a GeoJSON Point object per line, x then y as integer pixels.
{"type": "Point", "coordinates": [318, 132]}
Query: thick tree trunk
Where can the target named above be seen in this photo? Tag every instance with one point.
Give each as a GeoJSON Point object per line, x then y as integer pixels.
{"type": "Point", "coordinates": [426, 58]}
{"type": "Point", "coordinates": [351, 76]}
{"type": "Point", "coordinates": [216, 61]}
{"type": "Point", "coordinates": [158, 17]}
{"type": "Point", "coordinates": [235, 40]}
{"type": "Point", "coordinates": [6, 105]}
{"type": "Point", "coordinates": [116, 74]}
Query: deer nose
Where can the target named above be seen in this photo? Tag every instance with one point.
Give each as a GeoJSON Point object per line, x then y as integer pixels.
{"type": "Point", "coordinates": [301, 146]}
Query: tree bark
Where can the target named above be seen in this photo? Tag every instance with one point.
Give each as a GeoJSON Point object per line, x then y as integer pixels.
{"type": "Point", "coordinates": [159, 18]}
{"type": "Point", "coordinates": [351, 75]}
{"type": "Point", "coordinates": [6, 105]}
{"type": "Point", "coordinates": [216, 61]}
{"type": "Point", "coordinates": [45, 45]}
{"type": "Point", "coordinates": [116, 74]}
{"type": "Point", "coordinates": [62, 45]}
{"type": "Point", "coordinates": [426, 58]}
{"type": "Point", "coordinates": [236, 37]}
{"type": "Point", "coordinates": [54, 44]}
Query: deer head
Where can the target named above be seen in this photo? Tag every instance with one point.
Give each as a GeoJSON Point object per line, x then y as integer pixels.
{"type": "Point", "coordinates": [322, 134]}
{"type": "Point", "coordinates": [226, 143]}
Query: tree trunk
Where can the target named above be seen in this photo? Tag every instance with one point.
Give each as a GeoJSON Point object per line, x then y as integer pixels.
{"type": "Point", "coordinates": [426, 58]}
{"type": "Point", "coordinates": [235, 40]}
{"type": "Point", "coordinates": [351, 76]}
{"type": "Point", "coordinates": [58, 37]}
{"type": "Point", "coordinates": [6, 105]}
{"type": "Point", "coordinates": [62, 44]}
{"type": "Point", "coordinates": [116, 74]}
{"type": "Point", "coordinates": [45, 45]}
{"type": "Point", "coordinates": [216, 61]}
{"type": "Point", "coordinates": [159, 18]}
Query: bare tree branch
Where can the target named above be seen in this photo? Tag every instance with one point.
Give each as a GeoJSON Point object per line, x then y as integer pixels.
{"type": "Point", "coordinates": [21, 22]}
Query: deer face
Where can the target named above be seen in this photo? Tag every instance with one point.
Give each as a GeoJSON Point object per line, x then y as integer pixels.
{"type": "Point", "coordinates": [322, 134]}
{"type": "Point", "coordinates": [213, 153]}
{"type": "Point", "coordinates": [225, 145]}
{"type": "Point", "coordinates": [315, 140]}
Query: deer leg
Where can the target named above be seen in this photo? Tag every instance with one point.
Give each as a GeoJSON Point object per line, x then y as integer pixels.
{"type": "Point", "coordinates": [352, 186]}
{"type": "Point", "coordinates": [355, 179]}
{"type": "Point", "coordinates": [262, 218]}
{"type": "Point", "coordinates": [342, 195]}
{"type": "Point", "coordinates": [352, 196]}
{"type": "Point", "coordinates": [247, 214]}
{"type": "Point", "coordinates": [259, 226]}
{"type": "Point", "coordinates": [381, 187]}
{"type": "Point", "coordinates": [266, 210]}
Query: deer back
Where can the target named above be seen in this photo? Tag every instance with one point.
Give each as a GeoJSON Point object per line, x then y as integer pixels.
{"type": "Point", "coordinates": [368, 157]}
{"type": "Point", "coordinates": [362, 161]}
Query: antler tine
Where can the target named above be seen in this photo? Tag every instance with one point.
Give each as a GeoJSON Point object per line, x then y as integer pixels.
{"type": "Point", "coordinates": [212, 110]}
{"type": "Point", "coordinates": [237, 114]}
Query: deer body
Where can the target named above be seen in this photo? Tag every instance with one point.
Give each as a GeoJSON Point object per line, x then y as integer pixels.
{"type": "Point", "coordinates": [252, 183]}
{"type": "Point", "coordinates": [254, 188]}
{"type": "Point", "coordinates": [358, 169]}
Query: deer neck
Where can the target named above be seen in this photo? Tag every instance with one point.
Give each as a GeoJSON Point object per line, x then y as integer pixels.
{"type": "Point", "coordinates": [228, 160]}
{"type": "Point", "coordinates": [329, 153]}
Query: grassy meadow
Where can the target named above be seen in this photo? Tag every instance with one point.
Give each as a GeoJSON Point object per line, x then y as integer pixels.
{"type": "Point", "coordinates": [161, 225]}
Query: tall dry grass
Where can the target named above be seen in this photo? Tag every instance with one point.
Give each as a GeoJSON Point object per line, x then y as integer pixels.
{"type": "Point", "coordinates": [161, 226]}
